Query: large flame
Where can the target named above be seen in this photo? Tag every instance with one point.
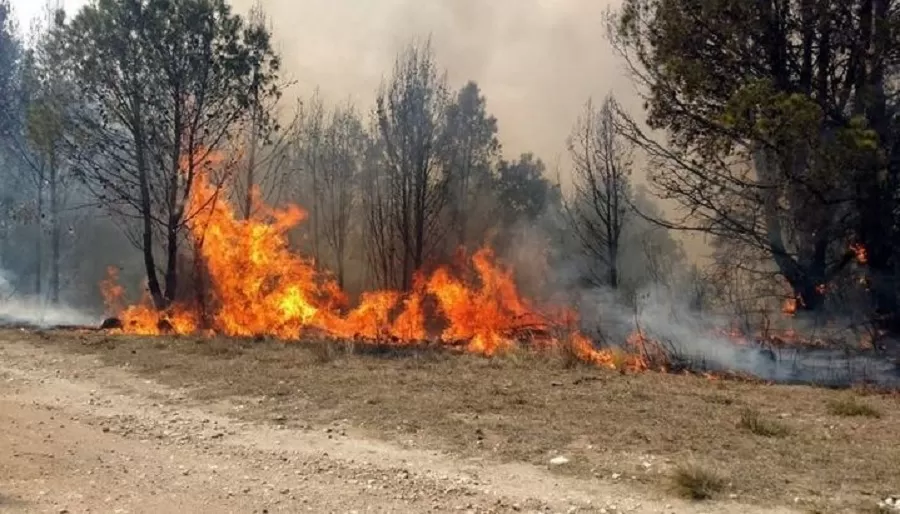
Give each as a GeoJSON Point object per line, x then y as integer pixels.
{"type": "Point", "coordinates": [258, 286]}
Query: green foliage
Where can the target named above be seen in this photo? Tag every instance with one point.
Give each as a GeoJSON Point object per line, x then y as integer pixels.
{"type": "Point", "coordinates": [523, 189]}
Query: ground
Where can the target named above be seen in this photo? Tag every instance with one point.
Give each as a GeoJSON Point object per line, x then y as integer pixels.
{"type": "Point", "coordinates": [93, 422]}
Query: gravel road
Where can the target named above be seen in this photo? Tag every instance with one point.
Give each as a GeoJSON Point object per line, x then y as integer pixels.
{"type": "Point", "coordinates": [78, 436]}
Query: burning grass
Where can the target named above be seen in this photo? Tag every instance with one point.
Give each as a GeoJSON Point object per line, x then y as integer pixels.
{"type": "Point", "coordinates": [259, 287]}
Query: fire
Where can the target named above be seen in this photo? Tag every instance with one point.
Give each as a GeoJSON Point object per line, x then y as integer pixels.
{"type": "Point", "coordinates": [862, 256]}
{"type": "Point", "coordinates": [257, 286]}
{"type": "Point", "coordinates": [790, 306]}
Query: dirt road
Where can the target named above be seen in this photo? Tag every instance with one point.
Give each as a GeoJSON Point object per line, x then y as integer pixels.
{"type": "Point", "coordinates": [80, 436]}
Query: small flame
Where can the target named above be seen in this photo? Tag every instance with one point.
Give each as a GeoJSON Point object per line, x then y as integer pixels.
{"type": "Point", "coordinates": [113, 293]}
{"type": "Point", "coordinates": [790, 306]}
{"type": "Point", "coordinates": [862, 255]}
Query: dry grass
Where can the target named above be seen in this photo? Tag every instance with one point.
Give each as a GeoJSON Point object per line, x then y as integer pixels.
{"type": "Point", "coordinates": [755, 423]}
{"type": "Point", "coordinates": [523, 406]}
{"type": "Point", "coordinates": [693, 482]}
{"type": "Point", "coordinates": [851, 407]}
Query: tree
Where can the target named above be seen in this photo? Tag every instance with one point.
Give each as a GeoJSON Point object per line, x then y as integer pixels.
{"type": "Point", "coordinates": [168, 83]}
{"type": "Point", "coordinates": [472, 150]}
{"type": "Point", "coordinates": [527, 206]}
{"type": "Point", "coordinates": [10, 116]}
{"type": "Point", "coordinates": [308, 151]}
{"type": "Point", "coordinates": [10, 52]}
{"type": "Point", "coordinates": [780, 129]}
{"type": "Point", "coordinates": [265, 147]}
{"type": "Point", "coordinates": [523, 191]}
{"type": "Point", "coordinates": [410, 112]}
{"type": "Point", "coordinates": [332, 147]}
{"type": "Point", "coordinates": [650, 257]}
{"type": "Point", "coordinates": [50, 103]}
{"type": "Point", "coordinates": [36, 118]}
{"type": "Point", "coordinates": [602, 161]}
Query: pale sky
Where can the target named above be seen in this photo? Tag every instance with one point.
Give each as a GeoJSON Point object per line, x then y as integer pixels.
{"type": "Point", "coordinates": [28, 10]}
{"type": "Point", "coordinates": [537, 61]}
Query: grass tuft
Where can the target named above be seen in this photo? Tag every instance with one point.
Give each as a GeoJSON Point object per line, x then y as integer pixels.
{"type": "Point", "coordinates": [850, 407]}
{"type": "Point", "coordinates": [695, 483]}
{"type": "Point", "coordinates": [753, 422]}
{"type": "Point", "coordinates": [324, 352]}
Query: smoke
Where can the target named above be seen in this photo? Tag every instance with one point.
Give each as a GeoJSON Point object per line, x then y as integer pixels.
{"type": "Point", "coordinates": [693, 341]}
{"type": "Point", "coordinates": [537, 61]}
{"type": "Point", "coordinates": [20, 310]}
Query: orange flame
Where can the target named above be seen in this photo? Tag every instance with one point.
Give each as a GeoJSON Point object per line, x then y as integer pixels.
{"type": "Point", "coordinates": [862, 255]}
{"type": "Point", "coordinates": [113, 293]}
{"type": "Point", "coordinates": [790, 306]}
{"type": "Point", "coordinates": [258, 286]}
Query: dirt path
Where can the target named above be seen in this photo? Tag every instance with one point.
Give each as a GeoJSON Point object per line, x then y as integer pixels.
{"type": "Point", "coordinates": [77, 436]}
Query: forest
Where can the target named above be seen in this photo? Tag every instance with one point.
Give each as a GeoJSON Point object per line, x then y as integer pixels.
{"type": "Point", "coordinates": [769, 128]}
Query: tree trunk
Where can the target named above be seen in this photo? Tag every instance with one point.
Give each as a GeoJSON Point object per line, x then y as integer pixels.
{"type": "Point", "coordinates": [39, 242]}
{"type": "Point", "coordinates": [146, 211]}
{"type": "Point", "coordinates": [251, 167]}
{"type": "Point", "coordinates": [171, 260]}
{"type": "Point", "coordinates": [613, 266]}
{"type": "Point", "coordinates": [54, 232]}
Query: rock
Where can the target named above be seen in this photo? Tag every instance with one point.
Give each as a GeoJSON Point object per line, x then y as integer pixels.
{"type": "Point", "coordinates": [890, 504]}
{"type": "Point", "coordinates": [111, 324]}
{"type": "Point", "coordinates": [559, 461]}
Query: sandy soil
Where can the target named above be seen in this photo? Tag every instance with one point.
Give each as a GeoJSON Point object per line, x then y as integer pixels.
{"type": "Point", "coordinates": [92, 423]}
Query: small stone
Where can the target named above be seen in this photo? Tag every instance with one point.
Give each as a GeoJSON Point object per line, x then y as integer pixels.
{"type": "Point", "coordinates": [558, 461]}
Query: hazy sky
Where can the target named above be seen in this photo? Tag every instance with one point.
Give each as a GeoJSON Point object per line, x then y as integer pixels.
{"type": "Point", "coordinates": [28, 10]}
{"type": "Point", "coordinates": [537, 60]}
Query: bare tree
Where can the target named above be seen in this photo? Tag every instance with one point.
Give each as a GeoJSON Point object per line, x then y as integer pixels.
{"type": "Point", "coordinates": [598, 210]}
{"type": "Point", "coordinates": [345, 147]}
{"type": "Point", "coordinates": [308, 153]}
{"type": "Point", "coordinates": [411, 109]}
{"type": "Point", "coordinates": [169, 83]}
{"type": "Point", "coordinates": [265, 147]}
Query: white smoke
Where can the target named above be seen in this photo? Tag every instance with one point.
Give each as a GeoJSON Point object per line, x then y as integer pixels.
{"type": "Point", "coordinates": [692, 340]}
{"type": "Point", "coordinates": [18, 310]}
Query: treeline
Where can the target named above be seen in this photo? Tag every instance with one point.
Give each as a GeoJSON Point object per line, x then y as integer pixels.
{"type": "Point", "coordinates": [109, 115]}
{"type": "Point", "coordinates": [782, 140]}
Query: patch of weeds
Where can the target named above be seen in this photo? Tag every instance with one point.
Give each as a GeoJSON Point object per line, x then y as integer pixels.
{"type": "Point", "coordinates": [719, 399]}
{"type": "Point", "coordinates": [753, 422]}
{"type": "Point", "coordinates": [850, 407]}
{"type": "Point", "coordinates": [567, 353]}
{"type": "Point", "coordinates": [620, 359]}
{"type": "Point", "coordinates": [324, 352]}
{"type": "Point", "coordinates": [695, 483]}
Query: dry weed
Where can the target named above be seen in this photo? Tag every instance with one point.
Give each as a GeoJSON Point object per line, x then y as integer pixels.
{"type": "Point", "coordinates": [753, 422]}
{"type": "Point", "coordinates": [696, 483]}
{"type": "Point", "coordinates": [850, 407]}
